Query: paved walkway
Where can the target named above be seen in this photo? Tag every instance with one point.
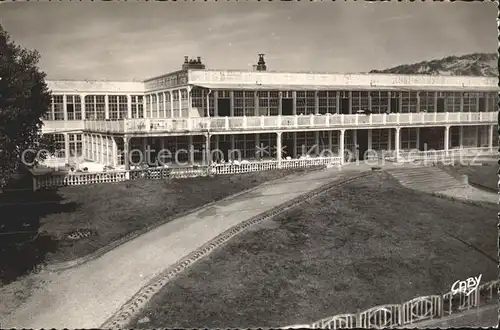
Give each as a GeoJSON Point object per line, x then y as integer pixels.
{"type": "Point", "coordinates": [476, 318]}
{"type": "Point", "coordinates": [86, 296]}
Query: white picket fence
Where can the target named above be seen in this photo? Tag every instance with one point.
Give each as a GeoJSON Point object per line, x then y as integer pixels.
{"type": "Point", "coordinates": [410, 312]}
{"type": "Point", "coordinates": [60, 179]}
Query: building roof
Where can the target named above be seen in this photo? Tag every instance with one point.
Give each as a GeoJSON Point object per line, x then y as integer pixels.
{"type": "Point", "coordinates": [282, 87]}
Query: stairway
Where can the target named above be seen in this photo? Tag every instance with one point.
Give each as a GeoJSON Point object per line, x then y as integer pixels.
{"type": "Point", "coordinates": [425, 178]}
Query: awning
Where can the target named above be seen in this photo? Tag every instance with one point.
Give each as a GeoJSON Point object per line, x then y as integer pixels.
{"type": "Point", "coordinates": [279, 87]}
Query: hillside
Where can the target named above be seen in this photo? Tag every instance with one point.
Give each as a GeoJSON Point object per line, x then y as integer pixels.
{"type": "Point", "coordinates": [478, 64]}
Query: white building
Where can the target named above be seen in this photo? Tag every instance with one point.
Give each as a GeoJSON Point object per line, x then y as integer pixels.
{"type": "Point", "coordinates": [228, 110]}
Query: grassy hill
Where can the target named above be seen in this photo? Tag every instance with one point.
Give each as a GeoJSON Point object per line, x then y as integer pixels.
{"type": "Point", "coordinates": [477, 64]}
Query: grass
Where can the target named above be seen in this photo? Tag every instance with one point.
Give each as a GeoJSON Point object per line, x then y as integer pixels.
{"type": "Point", "coordinates": [367, 243]}
{"type": "Point", "coordinates": [42, 221]}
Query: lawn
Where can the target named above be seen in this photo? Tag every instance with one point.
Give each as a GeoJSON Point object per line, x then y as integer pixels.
{"type": "Point", "coordinates": [41, 221]}
{"type": "Point", "coordinates": [366, 243]}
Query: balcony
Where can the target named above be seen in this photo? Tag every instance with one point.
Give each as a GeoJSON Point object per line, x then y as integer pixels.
{"type": "Point", "coordinates": [62, 126]}
{"type": "Point", "coordinates": [288, 123]}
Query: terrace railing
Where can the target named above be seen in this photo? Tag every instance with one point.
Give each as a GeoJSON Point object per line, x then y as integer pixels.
{"type": "Point", "coordinates": [262, 123]}
{"type": "Point", "coordinates": [60, 179]}
{"type": "Point", "coordinates": [411, 312]}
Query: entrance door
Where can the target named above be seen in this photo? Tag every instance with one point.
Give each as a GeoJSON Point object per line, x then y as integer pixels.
{"type": "Point", "coordinates": [287, 107]}
{"type": "Point", "coordinates": [224, 107]}
{"type": "Point", "coordinates": [344, 106]}
{"type": "Point", "coordinates": [287, 148]}
{"type": "Point", "coordinates": [224, 147]}
{"type": "Point", "coordinates": [362, 139]}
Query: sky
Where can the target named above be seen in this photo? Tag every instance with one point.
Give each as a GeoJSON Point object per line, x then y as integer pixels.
{"type": "Point", "coordinates": [139, 40]}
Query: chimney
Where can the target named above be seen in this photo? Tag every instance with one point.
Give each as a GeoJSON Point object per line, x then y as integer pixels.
{"type": "Point", "coordinates": [261, 64]}
{"type": "Point", "coordinates": [198, 59]}
{"type": "Point", "coordinates": [186, 58]}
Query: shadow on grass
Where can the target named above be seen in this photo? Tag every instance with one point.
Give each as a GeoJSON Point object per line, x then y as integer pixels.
{"type": "Point", "coordinates": [23, 248]}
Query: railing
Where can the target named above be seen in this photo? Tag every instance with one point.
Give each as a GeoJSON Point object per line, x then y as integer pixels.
{"type": "Point", "coordinates": [225, 124]}
{"type": "Point", "coordinates": [410, 312]}
{"type": "Point", "coordinates": [59, 179]}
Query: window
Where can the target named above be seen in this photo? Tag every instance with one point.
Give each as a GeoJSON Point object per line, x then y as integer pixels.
{"type": "Point", "coordinates": [161, 105]}
{"type": "Point", "coordinates": [359, 101]}
{"type": "Point", "coordinates": [58, 106]}
{"type": "Point", "coordinates": [408, 138]}
{"type": "Point", "coordinates": [380, 102]}
{"type": "Point", "coordinates": [327, 102]}
{"type": "Point", "coordinates": [75, 145]}
{"type": "Point", "coordinates": [492, 102]}
{"type": "Point", "coordinates": [117, 105]}
{"type": "Point", "coordinates": [427, 101]}
{"type": "Point", "coordinates": [154, 106]}
{"type": "Point", "coordinates": [471, 101]}
{"type": "Point", "coordinates": [94, 107]}
{"type": "Point", "coordinates": [245, 143]}
{"type": "Point", "coordinates": [137, 106]}
{"type": "Point", "coordinates": [268, 103]}
{"type": "Point", "coordinates": [59, 144]}
{"type": "Point", "coordinates": [408, 102]}
{"type": "Point", "coordinates": [306, 103]}
{"type": "Point", "coordinates": [380, 139]}
{"type": "Point", "coordinates": [452, 101]}
{"type": "Point", "coordinates": [74, 107]}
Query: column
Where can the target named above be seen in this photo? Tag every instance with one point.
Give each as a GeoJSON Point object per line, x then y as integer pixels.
{"type": "Point", "coordinates": [316, 141]}
{"type": "Point", "coordinates": [446, 138]}
{"type": "Point", "coordinates": [461, 137]}
{"type": "Point", "coordinates": [144, 147]}
{"type": "Point", "coordinates": [461, 103]}
{"type": "Point", "coordinates": [337, 101]}
{"type": "Point", "coordinates": [82, 105]}
{"type": "Point", "coordinates": [180, 102]}
{"type": "Point", "coordinates": [341, 146]}
{"type": "Point", "coordinates": [106, 106]}
{"type": "Point", "coordinates": [389, 139]}
{"type": "Point", "coordinates": [216, 105]}
{"type": "Point", "coordinates": [491, 129]}
{"type": "Point", "coordinates": [278, 148]}
{"type": "Point", "coordinates": [280, 103]}
{"type": "Point", "coordinates": [435, 101]}
{"type": "Point", "coordinates": [231, 103]}
{"type": "Point", "coordinates": [115, 153]}
{"type": "Point", "coordinates": [65, 108]}
{"type": "Point", "coordinates": [350, 102]}
{"type": "Point", "coordinates": [418, 138]}
{"type": "Point", "coordinates": [129, 106]}
{"type": "Point", "coordinates": [418, 104]}
{"type": "Point", "coordinates": [294, 153]}
{"type": "Point", "coordinates": [370, 101]}
{"type": "Point", "coordinates": [256, 102]}
{"type": "Point", "coordinates": [294, 105]}
{"type": "Point", "coordinates": [171, 104]}
{"type": "Point", "coordinates": [66, 148]}
{"type": "Point", "coordinates": [316, 102]}
{"type": "Point", "coordinates": [191, 150]}
{"type": "Point", "coordinates": [257, 145]}
{"type": "Point", "coordinates": [330, 141]}
{"type": "Point", "coordinates": [355, 143]}
{"type": "Point", "coordinates": [126, 160]}
{"type": "Point", "coordinates": [208, 158]}
{"type": "Point", "coordinates": [397, 142]}
{"type": "Point", "coordinates": [369, 139]}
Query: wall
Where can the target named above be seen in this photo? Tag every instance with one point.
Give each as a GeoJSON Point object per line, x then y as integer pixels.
{"type": "Point", "coordinates": [322, 79]}
{"type": "Point", "coordinates": [89, 87]}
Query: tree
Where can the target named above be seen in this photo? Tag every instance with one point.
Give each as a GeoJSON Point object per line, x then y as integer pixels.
{"type": "Point", "coordinates": [24, 99]}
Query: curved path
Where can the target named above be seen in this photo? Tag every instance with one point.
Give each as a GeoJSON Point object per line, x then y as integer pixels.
{"type": "Point", "coordinates": [87, 295]}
